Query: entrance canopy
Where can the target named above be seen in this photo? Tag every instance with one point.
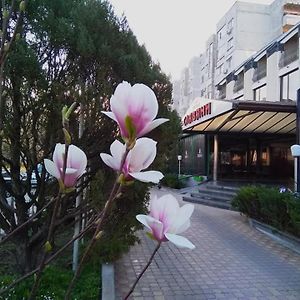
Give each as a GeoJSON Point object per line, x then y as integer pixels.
{"type": "Point", "coordinates": [234, 116]}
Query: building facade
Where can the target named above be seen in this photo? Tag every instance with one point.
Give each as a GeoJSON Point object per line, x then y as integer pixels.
{"type": "Point", "coordinates": [258, 65]}
{"type": "Point", "coordinates": [235, 42]}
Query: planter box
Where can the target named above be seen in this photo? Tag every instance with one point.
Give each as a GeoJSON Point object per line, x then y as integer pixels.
{"type": "Point", "coordinates": [283, 238]}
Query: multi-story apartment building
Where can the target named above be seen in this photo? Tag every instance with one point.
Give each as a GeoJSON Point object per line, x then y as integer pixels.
{"type": "Point", "coordinates": [188, 87]}
{"type": "Point", "coordinates": [249, 127]}
{"type": "Point", "coordinates": [243, 30]}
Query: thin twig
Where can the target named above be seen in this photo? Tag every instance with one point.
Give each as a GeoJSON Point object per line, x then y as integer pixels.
{"type": "Point", "coordinates": [9, 235]}
{"type": "Point", "coordinates": [57, 253]}
{"type": "Point", "coordinates": [51, 229]}
{"type": "Point", "coordinates": [114, 192]}
{"type": "Point", "coordinates": [144, 270]}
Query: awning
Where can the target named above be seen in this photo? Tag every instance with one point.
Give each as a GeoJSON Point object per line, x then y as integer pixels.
{"type": "Point", "coordinates": [234, 116]}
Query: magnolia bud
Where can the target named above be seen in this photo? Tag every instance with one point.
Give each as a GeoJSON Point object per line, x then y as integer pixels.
{"type": "Point", "coordinates": [67, 135]}
{"type": "Point", "coordinates": [22, 6]}
{"type": "Point", "coordinates": [98, 235]}
{"type": "Point", "coordinates": [48, 246]}
{"type": "Point", "coordinates": [5, 14]}
{"type": "Point", "coordinates": [6, 47]}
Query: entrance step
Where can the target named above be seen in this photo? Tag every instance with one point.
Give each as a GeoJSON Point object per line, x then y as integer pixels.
{"type": "Point", "coordinates": [215, 194]}
{"type": "Point", "coordinates": [218, 204]}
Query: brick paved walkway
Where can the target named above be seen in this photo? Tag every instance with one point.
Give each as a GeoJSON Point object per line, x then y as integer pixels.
{"type": "Point", "coordinates": [231, 261]}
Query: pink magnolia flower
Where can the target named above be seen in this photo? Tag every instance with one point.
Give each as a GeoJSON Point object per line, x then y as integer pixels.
{"type": "Point", "coordinates": [139, 158]}
{"type": "Point", "coordinates": [167, 220]}
{"type": "Point", "coordinates": [76, 164]}
{"type": "Point", "coordinates": [137, 102]}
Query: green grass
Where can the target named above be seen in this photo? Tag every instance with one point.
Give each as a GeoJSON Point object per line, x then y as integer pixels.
{"type": "Point", "coordinates": [54, 283]}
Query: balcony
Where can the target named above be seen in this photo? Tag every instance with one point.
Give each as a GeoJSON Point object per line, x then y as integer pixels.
{"type": "Point", "coordinates": [288, 57]}
{"type": "Point", "coordinates": [291, 8]}
{"type": "Point", "coordinates": [289, 20]}
{"type": "Point", "coordinates": [259, 73]}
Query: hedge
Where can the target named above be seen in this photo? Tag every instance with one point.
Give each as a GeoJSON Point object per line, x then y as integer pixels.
{"type": "Point", "coordinates": [269, 205]}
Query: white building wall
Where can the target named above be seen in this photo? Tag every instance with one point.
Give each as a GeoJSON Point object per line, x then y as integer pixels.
{"type": "Point", "coordinates": [243, 31]}
{"type": "Point", "coordinates": [273, 79]}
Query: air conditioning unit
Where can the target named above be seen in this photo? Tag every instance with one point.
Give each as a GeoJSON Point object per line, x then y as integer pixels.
{"type": "Point", "coordinates": [225, 71]}
{"type": "Point", "coordinates": [229, 30]}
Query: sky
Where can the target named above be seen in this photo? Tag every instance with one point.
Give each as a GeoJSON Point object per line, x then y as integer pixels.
{"type": "Point", "coordinates": [174, 31]}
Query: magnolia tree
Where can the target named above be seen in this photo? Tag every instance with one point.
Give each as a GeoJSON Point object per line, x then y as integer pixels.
{"type": "Point", "coordinates": [134, 108]}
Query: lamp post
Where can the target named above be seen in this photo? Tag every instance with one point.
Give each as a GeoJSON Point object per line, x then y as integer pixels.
{"type": "Point", "coordinates": [179, 157]}
{"type": "Point", "coordinates": [295, 149]}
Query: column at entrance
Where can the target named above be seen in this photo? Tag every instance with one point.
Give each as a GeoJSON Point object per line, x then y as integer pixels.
{"type": "Point", "coordinates": [216, 158]}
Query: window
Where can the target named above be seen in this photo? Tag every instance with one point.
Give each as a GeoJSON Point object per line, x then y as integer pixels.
{"type": "Point", "coordinates": [260, 94]}
{"type": "Point", "coordinates": [222, 91]}
{"type": "Point", "coordinates": [230, 26]}
{"type": "Point", "coordinates": [229, 44]}
{"type": "Point", "coordinates": [210, 60]}
{"type": "Point", "coordinates": [289, 84]}
{"type": "Point", "coordinates": [261, 70]}
{"type": "Point", "coordinates": [221, 33]}
{"type": "Point", "coordinates": [229, 63]}
{"type": "Point", "coordinates": [220, 69]}
{"type": "Point", "coordinates": [239, 83]}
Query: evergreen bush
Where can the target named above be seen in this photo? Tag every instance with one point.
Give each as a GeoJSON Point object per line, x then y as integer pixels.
{"type": "Point", "coordinates": [270, 206]}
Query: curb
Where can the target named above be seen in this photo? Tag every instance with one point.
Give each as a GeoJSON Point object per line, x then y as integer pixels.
{"type": "Point", "coordinates": [282, 238]}
{"type": "Point", "coordinates": [108, 282]}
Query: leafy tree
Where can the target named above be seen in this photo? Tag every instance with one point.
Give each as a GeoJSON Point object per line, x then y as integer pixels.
{"type": "Point", "coordinates": [71, 50]}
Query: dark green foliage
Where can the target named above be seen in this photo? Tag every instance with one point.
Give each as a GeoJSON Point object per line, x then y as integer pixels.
{"type": "Point", "coordinates": [172, 181]}
{"type": "Point", "coordinates": [167, 136]}
{"type": "Point", "coordinates": [281, 210]}
{"type": "Point", "coordinates": [246, 201]}
{"type": "Point", "coordinates": [54, 284]}
{"type": "Point", "coordinates": [120, 227]}
{"type": "Point", "coordinates": [67, 46]}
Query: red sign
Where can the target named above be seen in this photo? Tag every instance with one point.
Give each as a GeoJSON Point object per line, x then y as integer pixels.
{"type": "Point", "coordinates": [200, 112]}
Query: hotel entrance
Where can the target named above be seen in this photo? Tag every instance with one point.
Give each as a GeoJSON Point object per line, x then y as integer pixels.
{"type": "Point", "coordinates": [243, 139]}
{"type": "Point", "coordinates": [255, 158]}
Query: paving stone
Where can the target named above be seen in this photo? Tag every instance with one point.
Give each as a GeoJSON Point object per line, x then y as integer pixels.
{"type": "Point", "coordinates": [231, 261]}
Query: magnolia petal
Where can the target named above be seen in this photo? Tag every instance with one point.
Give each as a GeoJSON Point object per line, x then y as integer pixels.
{"type": "Point", "coordinates": [142, 154]}
{"type": "Point", "coordinates": [183, 227]}
{"type": "Point", "coordinates": [143, 100]}
{"type": "Point", "coordinates": [51, 168]}
{"type": "Point", "coordinates": [110, 115]}
{"type": "Point", "coordinates": [164, 209]}
{"type": "Point", "coordinates": [58, 155]}
{"type": "Point", "coordinates": [154, 225]}
{"type": "Point", "coordinates": [145, 220]}
{"type": "Point", "coordinates": [110, 161]}
{"type": "Point", "coordinates": [76, 159]}
{"type": "Point", "coordinates": [70, 171]}
{"type": "Point", "coordinates": [70, 179]}
{"type": "Point", "coordinates": [183, 215]}
{"type": "Point", "coordinates": [147, 176]}
{"type": "Point", "coordinates": [155, 123]}
{"type": "Point", "coordinates": [179, 241]}
{"type": "Point", "coordinates": [119, 103]}
{"type": "Point", "coordinates": [117, 150]}
{"type": "Point", "coordinates": [122, 91]}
